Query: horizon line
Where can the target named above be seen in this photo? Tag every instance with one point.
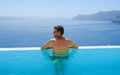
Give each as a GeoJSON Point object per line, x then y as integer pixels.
{"type": "Point", "coordinates": [10, 16]}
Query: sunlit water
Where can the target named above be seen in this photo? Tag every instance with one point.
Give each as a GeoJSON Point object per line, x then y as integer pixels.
{"type": "Point", "coordinates": [34, 33]}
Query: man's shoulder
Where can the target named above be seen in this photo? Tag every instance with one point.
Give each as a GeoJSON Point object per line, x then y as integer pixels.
{"type": "Point", "coordinates": [52, 40]}
{"type": "Point", "coordinates": [67, 39]}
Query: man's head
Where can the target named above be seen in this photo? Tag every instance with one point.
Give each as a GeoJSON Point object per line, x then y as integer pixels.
{"type": "Point", "coordinates": [58, 31]}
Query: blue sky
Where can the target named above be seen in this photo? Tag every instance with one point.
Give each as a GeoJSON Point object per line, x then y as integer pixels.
{"type": "Point", "coordinates": [55, 8]}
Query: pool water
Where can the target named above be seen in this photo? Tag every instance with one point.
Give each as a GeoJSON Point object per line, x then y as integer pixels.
{"type": "Point", "coordinates": [100, 61]}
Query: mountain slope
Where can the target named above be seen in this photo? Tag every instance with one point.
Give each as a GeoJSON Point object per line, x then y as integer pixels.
{"type": "Point", "coordinates": [105, 16]}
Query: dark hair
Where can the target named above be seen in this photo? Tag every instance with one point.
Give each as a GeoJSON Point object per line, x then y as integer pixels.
{"type": "Point", "coordinates": [59, 29]}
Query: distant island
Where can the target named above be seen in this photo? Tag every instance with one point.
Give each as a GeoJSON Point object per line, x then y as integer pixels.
{"type": "Point", "coordinates": [101, 16]}
{"type": "Point", "coordinates": [113, 16]}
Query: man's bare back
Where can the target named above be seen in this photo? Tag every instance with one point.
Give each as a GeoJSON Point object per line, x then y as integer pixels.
{"type": "Point", "coordinates": [59, 45]}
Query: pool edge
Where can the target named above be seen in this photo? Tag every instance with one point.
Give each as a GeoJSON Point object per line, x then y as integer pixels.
{"type": "Point", "coordinates": [38, 48]}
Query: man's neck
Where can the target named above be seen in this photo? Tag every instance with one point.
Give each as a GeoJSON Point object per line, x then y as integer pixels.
{"type": "Point", "coordinates": [58, 38]}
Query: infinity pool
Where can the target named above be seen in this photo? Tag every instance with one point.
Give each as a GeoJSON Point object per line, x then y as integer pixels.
{"type": "Point", "coordinates": [82, 61]}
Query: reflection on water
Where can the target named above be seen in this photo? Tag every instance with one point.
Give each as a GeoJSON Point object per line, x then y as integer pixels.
{"type": "Point", "coordinates": [59, 62]}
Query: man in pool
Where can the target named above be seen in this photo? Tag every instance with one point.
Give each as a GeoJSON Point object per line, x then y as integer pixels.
{"type": "Point", "coordinates": [59, 45]}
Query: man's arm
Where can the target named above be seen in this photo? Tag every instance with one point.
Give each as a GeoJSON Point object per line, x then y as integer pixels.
{"type": "Point", "coordinates": [72, 44]}
{"type": "Point", "coordinates": [48, 45]}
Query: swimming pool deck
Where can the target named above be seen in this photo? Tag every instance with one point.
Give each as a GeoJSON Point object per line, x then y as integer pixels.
{"type": "Point", "coordinates": [38, 48]}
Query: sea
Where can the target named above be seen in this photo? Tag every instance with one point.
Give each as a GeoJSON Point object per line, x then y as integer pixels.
{"type": "Point", "coordinates": [36, 32]}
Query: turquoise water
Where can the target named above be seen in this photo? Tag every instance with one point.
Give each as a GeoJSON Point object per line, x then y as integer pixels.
{"type": "Point", "coordinates": [104, 61]}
